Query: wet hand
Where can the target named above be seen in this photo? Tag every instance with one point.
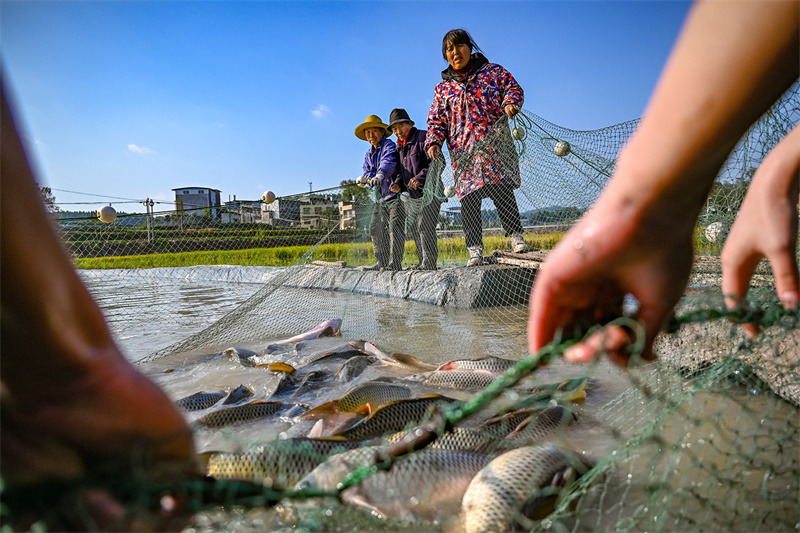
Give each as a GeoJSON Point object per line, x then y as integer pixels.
{"type": "Point", "coordinates": [585, 279]}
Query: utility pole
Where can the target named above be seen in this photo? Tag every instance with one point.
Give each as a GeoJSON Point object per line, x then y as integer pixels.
{"type": "Point", "coordinates": [148, 204]}
{"type": "Point", "coordinates": [310, 188]}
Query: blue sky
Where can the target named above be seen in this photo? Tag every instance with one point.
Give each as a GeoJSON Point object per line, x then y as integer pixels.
{"type": "Point", "coordinates": [132, 99]}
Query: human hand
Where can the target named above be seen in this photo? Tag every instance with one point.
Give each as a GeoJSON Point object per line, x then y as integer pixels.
{"type": "Point", "coordinates": [511, 110]}
{"type": "Point", "coordinates": [611, 252]}
{"type": "Point", "coordinates": [766, 227]}
{"type": "Point", "coordinates": [413, 184]}
{"type": "Point", "coordinates": [432, 149]}
{"type": "Point", "coordinates": [395, 188]}
{"type": "Point", "coordinates": [374, 182]}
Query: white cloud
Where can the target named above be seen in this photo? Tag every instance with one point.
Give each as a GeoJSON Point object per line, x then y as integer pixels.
{"type": "Point", "coordinates": [136, 149]}
{"type": "Point", "coordinates": [321, 111]}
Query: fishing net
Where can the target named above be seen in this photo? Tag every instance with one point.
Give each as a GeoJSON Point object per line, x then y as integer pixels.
{"type": "Point", "coordinates": [706, 438]}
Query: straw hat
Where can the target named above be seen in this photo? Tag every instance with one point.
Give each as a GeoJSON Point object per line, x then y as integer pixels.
{"type": "Point", "coordinates": [372, 121]}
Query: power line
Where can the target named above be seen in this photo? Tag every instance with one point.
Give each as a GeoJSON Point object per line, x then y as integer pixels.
{"type": "Point", "coordinates": [98, 195]}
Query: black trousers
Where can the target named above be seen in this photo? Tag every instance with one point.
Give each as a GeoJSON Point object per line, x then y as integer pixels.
{"type": "Point", "coordinates": [423, 218]}
{"type": "Point", "coordinates": [386, 218]}
{"type": "Point", "coordinates": [504, 201]}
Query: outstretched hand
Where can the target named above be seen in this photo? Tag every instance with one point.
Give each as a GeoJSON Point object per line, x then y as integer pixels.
{"type": "Point", "coordinates": [611, 252]}
{"type": "Point", "coordinates": [766, 227]}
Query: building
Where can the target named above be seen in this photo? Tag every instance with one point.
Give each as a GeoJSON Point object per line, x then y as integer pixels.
{"type": "Point", "coordinates": [241, 211]}
{"type": "Point", "coordinates": [347, 216]}
{"type": "Point", "coordinates": [281, 212]}
{"type": "Point", "coordinates": [198, 199]}
{"type": "Point", "coordinates": [318, 212]}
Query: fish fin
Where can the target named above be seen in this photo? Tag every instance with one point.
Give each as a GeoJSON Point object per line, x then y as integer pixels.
{"type": "Point", "coordinates": [278, 367]}
{"type": "Point", "coordinates": [365, 409]}
{"type": "Point", "coordinates": [450, 365]}
{"type": "Point", "coordinates": [411, 360]}
{"type": "Point", "coordinates": [359, 501]}
{"type": "Point", "coordinates": [325, 409]}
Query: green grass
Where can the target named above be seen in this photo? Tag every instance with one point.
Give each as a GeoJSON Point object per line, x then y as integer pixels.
{"type": "Point", "coordinates": [355, 254]}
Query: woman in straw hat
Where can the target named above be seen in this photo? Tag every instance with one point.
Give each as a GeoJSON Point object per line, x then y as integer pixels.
{"type": "Point", "coordinates": [389, 214]}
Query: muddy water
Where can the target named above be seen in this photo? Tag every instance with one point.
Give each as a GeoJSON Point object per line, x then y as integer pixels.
{"type": "Point", "coordinates": [716, 443]}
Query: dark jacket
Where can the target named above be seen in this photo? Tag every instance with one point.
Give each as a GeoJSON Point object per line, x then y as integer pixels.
{"type": "Point", "coordinates": [414, 161]}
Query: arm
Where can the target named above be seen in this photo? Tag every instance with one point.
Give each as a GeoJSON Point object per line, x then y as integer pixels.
{"type": "Point", "coordinates": [514, 96]}
{"type": "Point", "coordinates": [72, 403]}
{"type": "Point", "coordinates": [388, 159]}
{"type": "Point", "coordinates": [767, 227]}
{"type": "Point", "coordinates": [713, 87]}
{"type": "Point", "coordinates": [437, 124]}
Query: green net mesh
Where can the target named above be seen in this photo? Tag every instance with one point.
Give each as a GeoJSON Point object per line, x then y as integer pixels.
{"type": "Point", "coordinates": [707, 438]}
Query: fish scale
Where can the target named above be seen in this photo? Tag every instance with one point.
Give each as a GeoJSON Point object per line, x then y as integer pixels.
{"type": "Point", "coordinates": [241, 413]}
{"type": "Point", "coordinates": [458, 379]}
{"type": "Point", "coordinates": [495, 365]}
{"type": "Point", "coordinates": [375, 394]}
{"type": "Point", "coordinates": [394, 416]}
{"type": "Point", "coordinates": [512, 483]}
{"type": "Point", "coordinates": [199, 400]}
{"type": "Point", "coordinates": [278, 465]}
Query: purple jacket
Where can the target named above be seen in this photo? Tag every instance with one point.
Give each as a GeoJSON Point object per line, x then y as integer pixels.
{"type": "Point", "coordinates": [414, 161]}
{"type": "Point", "coordinates": [383, 160]}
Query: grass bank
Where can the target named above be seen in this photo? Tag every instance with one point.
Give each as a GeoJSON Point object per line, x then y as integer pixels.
{"type": "Point", "coordinates": [450, 251]}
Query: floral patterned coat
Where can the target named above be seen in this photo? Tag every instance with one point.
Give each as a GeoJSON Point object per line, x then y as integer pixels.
{"type": "Point", "coordinates": [464, 112]}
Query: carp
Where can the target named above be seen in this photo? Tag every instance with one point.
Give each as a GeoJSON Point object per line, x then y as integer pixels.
{"type": "Point", "coordinates": [544, 424]}
{"type": "Point", "coordinates": [495, 365]}
{"type": "Point", "coordinates": [204, 400]}
{"type": "Point", "coordinates": [394, 416]}
{"type": "Point", "coordinates": [363, 398]}
{"type": "Point", "coordinates": [279, 464]}
{"type": "Point", "coordinates": [456, 379]}
{"type": "Point", "coordinates": [398, 360]}
{"type": "Point", "coordinates": [426, 485]}
{"type": "Point", "coordinates": [241, 413]}
{"type": "Point", "coordinates": [518, 485]}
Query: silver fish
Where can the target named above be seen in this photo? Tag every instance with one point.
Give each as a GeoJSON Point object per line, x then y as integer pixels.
{"type": "Point", "coordinates": [329, 328]}
{"type": "Point", "coordinates": [277, 465]}
{"type": "Point", "coordinates": [456, 379]}
{"type": "Point", "coordinates": [426, 485]}
{"type": "Point", "coordinates": [495, 365]}
{"type": "Point", "coordinates": [518, 485]}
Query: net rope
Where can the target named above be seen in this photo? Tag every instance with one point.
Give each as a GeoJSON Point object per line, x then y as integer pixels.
{"type": "Point", "coordinates": [708, 438]}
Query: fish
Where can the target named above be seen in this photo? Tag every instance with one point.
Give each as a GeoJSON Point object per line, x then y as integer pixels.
{"type": "Point", "coordinates": [329, 328]}
{"type": "Point", "coordinates": [544, 424]}
{"type": "Point", "coordinates": [518, 485]}
{"type": "Point", "coordinates": [571, 390]}
{"type": "Point", "coordinates": [426, 485]}
{"type": "Point", "coordinates": [237, 395]}
{"type": "Point", "coordinates": [456, 379]}
{"type": "Point", "coordinates": [495, 365]}
{"type": "Point", "coordinates": [394, 416]}
{"type": "Point", "coordinates": [291, 386]}
{"type": "Point", "coordinates": [241, 355]}
{"type": "Point", "coordinates": [241, 413]}
{"type": "Point", "coordinates": [338, 353]}
{"type": "Point", "coordinates": [502, 425]}
{"type": "Point", "coordinates": [354, 367]}
{"type": "Point", "coordinates": [199, 400]}
{"type": "Point", "coordinates": [362, 398]}
{"type": "Point", "coordinates": [459, 438]}
{"type": "Point", "coordinates": [398, 360]}
{"type": "Point", "coordinates": [277, 465]}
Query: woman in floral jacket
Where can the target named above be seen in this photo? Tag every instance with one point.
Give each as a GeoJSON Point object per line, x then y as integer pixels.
{"type": "Point", "coordinates": [473, 95]}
